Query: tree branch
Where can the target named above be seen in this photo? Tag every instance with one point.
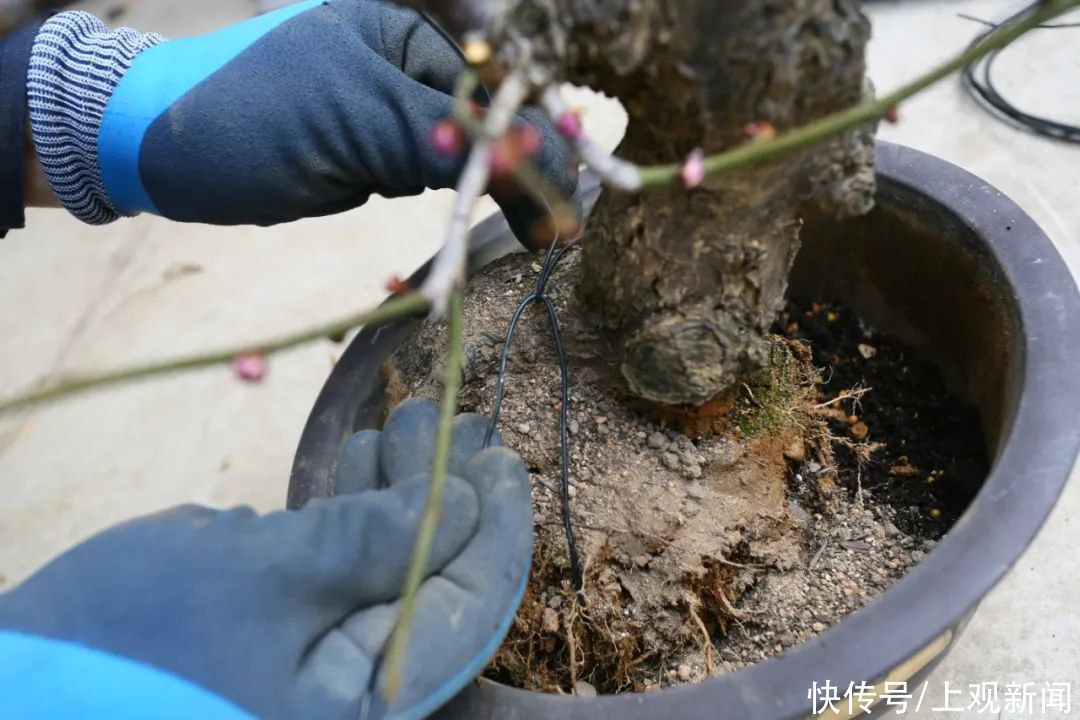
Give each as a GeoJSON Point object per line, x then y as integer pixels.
{"type": "Point", "coordinates": [448, 270]}
{"type": "Point", "coordinates": [397, 307]}
{"type": "Point", "coordinates": [395, 657]}
{"type": "Point", "coordinates": [754, 152]}
{"type": "Point", "coordinates": [614, 171]}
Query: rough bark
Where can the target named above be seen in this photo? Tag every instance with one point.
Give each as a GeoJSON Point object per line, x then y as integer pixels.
{"type": "Point", "coordinates": [685, 284]}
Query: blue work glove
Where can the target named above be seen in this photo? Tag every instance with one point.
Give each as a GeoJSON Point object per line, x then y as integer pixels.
{"type": "Point", "coordinates": [281, 615]}
{"type": "Point", "coordinates": [301, 112]}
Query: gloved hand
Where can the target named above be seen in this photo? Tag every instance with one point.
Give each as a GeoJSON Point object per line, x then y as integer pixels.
{"type": "Point", "coordinates": [302, 112]}
{"type": "Point", "coordinates": [282, 614]}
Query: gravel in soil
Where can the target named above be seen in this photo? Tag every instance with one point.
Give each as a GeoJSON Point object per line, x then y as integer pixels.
{"type": "Point", "coordinates": [708, 542]}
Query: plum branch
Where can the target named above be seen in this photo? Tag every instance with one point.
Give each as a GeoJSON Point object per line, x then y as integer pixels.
{"type": "Point", "coordinates": [429, 521]}
{"type": "Point", "coordinates": [397, 307]}
{"type": "Point", "coordinates": [449, 267]}
{"type": "Point", "coordinates": [448, 270]}
{"type": "Point", "coordinates": [753, 152]}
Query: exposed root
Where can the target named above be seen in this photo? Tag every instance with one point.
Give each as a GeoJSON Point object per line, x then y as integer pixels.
{"type": "Point", "coordinates": [705, 639]}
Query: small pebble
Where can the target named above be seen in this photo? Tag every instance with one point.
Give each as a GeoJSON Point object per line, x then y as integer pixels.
{"type": "Point", "coordinates": [584, 689]}
{"type": "Point", "coordinates": [695, 490]}
{"type": "Point", "coordinates": [859, 430]}
{"type": "Point", "coordinates": [800, 514]}
{"type": "Point", "coordinates": [571, 491]}
{"type": "Point", "coordinates": [523, 428]}
{"type": "Point", "coordinates": [684, 672]}
{"type": "Point", "coordinates": [551, 621]}
{"type": "Point", "coordinates": [692, 471]}
{"type": "Point", "coordinates": [657, 441]}
{"type": "Point", "coordinates": [670, 460]}
{"type": "Point", "coordinates": [572, 426]}
{"type": "Point", "coordinates": [688, 458]}
{"type": "Point", "coordinates": [642, 561]}
{"type": "Point", "coordinates": [817, 627]}
{"type": "Point", "coordinates": [796, 451]}
{"type": "Point", "coordinates": [728, 453]}
{"type": "Point", "coordinates": [555, 602]}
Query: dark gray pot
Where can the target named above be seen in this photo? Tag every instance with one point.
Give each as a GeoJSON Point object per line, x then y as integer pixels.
{"type": "Point", "coordinates": [953, 267]}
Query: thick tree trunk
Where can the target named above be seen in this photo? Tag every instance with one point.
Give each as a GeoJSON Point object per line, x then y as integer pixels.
{"type": "Point", "coordinates": [685, 284]}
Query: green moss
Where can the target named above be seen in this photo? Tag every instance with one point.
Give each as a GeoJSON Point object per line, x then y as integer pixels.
{"type": "Point", "coordinates": [771, 400]}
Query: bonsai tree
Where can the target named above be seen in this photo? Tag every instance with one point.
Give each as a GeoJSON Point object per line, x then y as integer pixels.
{"type": "Point", "coordinates": [745, 118]}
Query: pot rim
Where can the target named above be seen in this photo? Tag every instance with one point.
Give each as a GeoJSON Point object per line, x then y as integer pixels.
{"type": "Point", "coordinates": [919, 610]}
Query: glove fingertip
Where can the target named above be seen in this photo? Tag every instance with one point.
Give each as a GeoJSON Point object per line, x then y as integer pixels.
{"type": "Point", "coordinates": [470, 431]}
{"type": "Point", "coordinates": [408, 439]}
{"type": "Point", "coordinates": [502, 483]}
{"type": "Point", "coordinates": [358, 464]}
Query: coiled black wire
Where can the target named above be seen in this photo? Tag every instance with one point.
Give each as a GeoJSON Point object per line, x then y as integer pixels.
{"type": "Point", "coordinates": [551, 260]}
{"type": "Point", "coordinates": [977, 79]}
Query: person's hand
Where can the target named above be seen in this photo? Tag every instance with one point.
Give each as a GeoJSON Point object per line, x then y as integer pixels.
{"type": "Point", "coordinates": [302, 112]}
{"type": "Point", "coordinates": [283, 614]}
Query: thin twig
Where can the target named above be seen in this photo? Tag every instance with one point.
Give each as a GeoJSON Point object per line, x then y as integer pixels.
{"type": "Point", "coordinates": [448, 270]}
{"type": "Point", "coordinates": [706, 639]}
{"type": "Point", "coordinates": [754, 152]}
{"type": "Point", "coordinates": [395, 657]}
{"type": "Point", "coordinates": [818, 554]}
{"type": "Point", "coordinates": [751, 394]}
{"type": "Point", "coordinates": [732, 563]}
{"type": "Point", "coordinates": [612, 170]}
{"type": "Point", "coordinates": [398, 307]}
{"type": "Point", "coordinates": [853, 394]}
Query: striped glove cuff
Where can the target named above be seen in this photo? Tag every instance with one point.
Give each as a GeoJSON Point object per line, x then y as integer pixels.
{"type": "Point", "coordinates": [75, 64]}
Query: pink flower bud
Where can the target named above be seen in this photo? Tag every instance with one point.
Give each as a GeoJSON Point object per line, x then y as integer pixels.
{"type": "Point", "coordinates": [447, 138]}
{"type": "Point", "coordinates": [569, 125]}
{"type": "Point", "coordinates": [504, 160]}
{"type": "Point", "coordinates": [396, 286]}
{"type": "Point", "coordinates": [892, 115]}
{"type": "Point", "coordinates": [250, 367]}
{"type": "Point", "coordinates": [692, 171]}
{"type": "Point", "coordinates": [527, 139]}
{"type": "Point", "coordinates": [760, 130]}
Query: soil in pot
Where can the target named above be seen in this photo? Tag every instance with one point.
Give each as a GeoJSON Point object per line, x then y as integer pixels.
{"type": "Point", "coordinates": [715, 538]}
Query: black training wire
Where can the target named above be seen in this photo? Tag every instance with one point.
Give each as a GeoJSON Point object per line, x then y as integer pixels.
{"type": "Point", "coordinates": [550, 261]}
{"type": "Point", "coordinates": [568, 526]}
{"type": "Point", "coordinates": [510, 336]}
{"type": "Point", "coordinates": [977, 79]}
